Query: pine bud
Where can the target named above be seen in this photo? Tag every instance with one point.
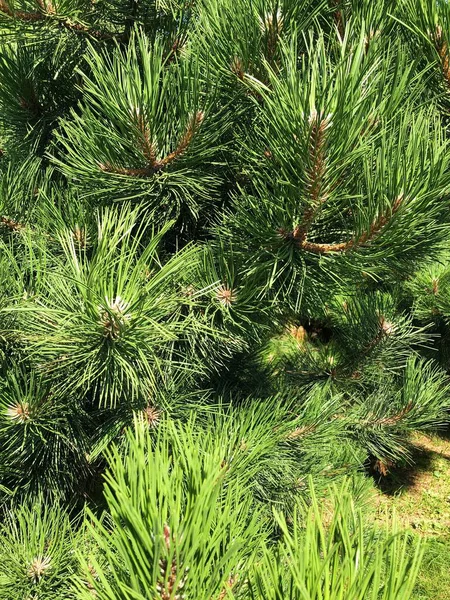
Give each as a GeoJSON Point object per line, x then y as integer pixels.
{"type": "Point", "coordinates": [39, 566]}
{"type": "Point", "coordinates": [19, 412]}
{"type": "Point", "coordinates": [226, 296]}
{"type": "Point", "coordinates": [115, 317]}
{"type": "Point", "coordinates": [387, 327]}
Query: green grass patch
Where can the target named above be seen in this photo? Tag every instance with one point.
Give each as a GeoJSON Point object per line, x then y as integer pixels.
{"type": "Point", "coordinates": [433, 582]}
{"type": "Point", "coordinates": [420, 496]}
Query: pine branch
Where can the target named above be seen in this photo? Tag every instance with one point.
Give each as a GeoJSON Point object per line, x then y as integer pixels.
{"type": "Point", "coordinates": [315, 174]}
{"type": "Point", "coordinates": [11, 224]}
{"type": "Point", "coordinates": [184, 142]}
{"type": "Point", "coordinates": [394, 419]}
{"type": "Point", "coordinates": [170, 583]}
{"type": "Point", "coordinates": [148, 150]}
{"type": "Point", "coordinates": [386, 328]}
{"type": "Point", "coordinates": [272, 26]}
{"type": "Point", "coordinates": [338, 18]}
{"type": "Point", "coordinates": [32, 103]}
{"type": "Point", "coordinates": [300, 432]}
{"type": "Point", "coordinates": [19, 14]}
{"type": "Point", "coordinates": [323, 248]}
{"type": "Point", "coordinates": [442, 49]}
{"type": "Point", "coordinates": [48, 14]}
{"type": "Point", "coordinates": [228, 587]}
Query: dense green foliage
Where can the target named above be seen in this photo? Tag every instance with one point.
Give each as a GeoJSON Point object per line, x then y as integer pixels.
{"type": "Point", "coordinates": [224, 271]}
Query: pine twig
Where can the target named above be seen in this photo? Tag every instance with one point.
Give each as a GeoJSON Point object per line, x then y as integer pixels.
{"type": "Point", "coordinates": [32, 104]}
{"type": "Point", "coordinates": [338, 18]}
{"type": "Point", "coordinates": [394, 419]}
{"type": "Point", "coordinates": [47, 14]}
{"type": "Point", "coordinates": [323, 248]}
{"type": "Point", "coordinates": [128, 171]}
{"type": "Point", "coordinates": [168, 585]}
{"type": "Point", "coordinates": [146, 144]}
{"type": "Point", "coordinates": [228, 586]}
{"type": "Point", "coordinates": [175, 50]}
{"type": "Point", "coordinates": [11, 224]}
{"type": "Point", "coordinates": [148, 150]}
{"type": "Point", "coordinates": [300, 432]}
{"type": "Point", "coordinates": [315, 174]}
{"type": "Point", "coordinates": [272, 25]}
{"type": "Point", "coordinates": [442, 49]}
{"type": "Point", "coordinates": [184, 142]}
{"type": "Point", "coordinates": [386, 328]}
{"type": "Point", "coordinates": [383, 465]}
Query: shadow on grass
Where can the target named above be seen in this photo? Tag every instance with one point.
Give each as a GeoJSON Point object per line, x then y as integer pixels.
{"type": "Point", "coordinates": [423, 454]}
{"type": "Point", "coordinates": [443, 434]}
{"type": "Point", "coordinates": [404, 476]}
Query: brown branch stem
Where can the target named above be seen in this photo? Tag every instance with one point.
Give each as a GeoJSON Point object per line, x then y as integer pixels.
{"type": "Point", "coordinates": [323, 248]}
{"type": "Point", "coordinates": [442, 49]}
{"type": "Point", "coordinates": [184, 142]}
{"type": "Point", "coordinates": [148, 150]}
{"type": "Point", "coordinates": [338, 17]}
{"type": "Point", "coordinates": [393, 419]}
{"type": "Point", "coordinates": [11, 224]}
{"type": "Point", "coordinates": [314, 174]}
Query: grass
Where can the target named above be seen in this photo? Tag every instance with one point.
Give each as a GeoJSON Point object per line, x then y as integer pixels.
{"type": "Point", "coordinates": [420, 497]}
{"type": "Point", "coordinates": [434, 578]}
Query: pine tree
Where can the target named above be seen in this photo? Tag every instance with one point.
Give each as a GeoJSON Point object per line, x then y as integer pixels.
{"type": "Point", "coordinates": [201, 535]}
{"type": "Point", "coordinates": [226, 223]}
